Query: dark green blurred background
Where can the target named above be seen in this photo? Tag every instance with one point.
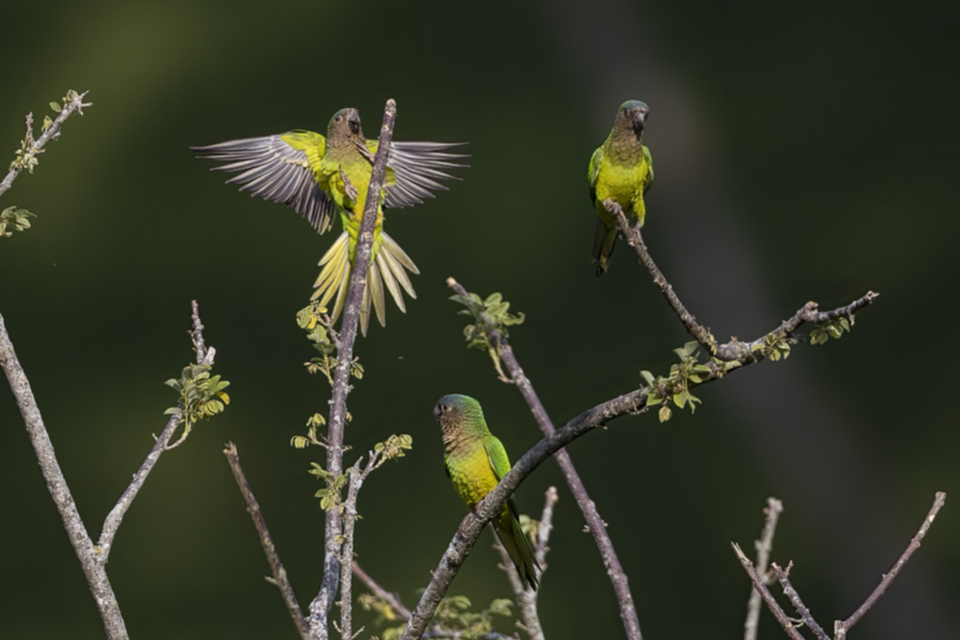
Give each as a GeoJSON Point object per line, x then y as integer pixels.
{"type": "Point", "coordinates": [800, 153]}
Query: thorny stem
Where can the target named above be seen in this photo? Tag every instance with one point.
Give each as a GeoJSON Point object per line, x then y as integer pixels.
{"type": "Point", "coordinates": [595, 524]}
{"type": "Point", "coordinates": [733, 351]}
{"type": "Point", "coordinates": [35, 147]}
{"type": "Point", "coordinates": [764, 546]}
{"type": "Point", "coordinates": [280, 578]}
{"type": "Point", "coordinates": [320, 606]}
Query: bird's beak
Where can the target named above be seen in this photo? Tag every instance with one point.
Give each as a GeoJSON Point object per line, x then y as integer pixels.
{"type": "Point", "coordinates": [437, 412]}
{"type": "Point", "coordinates": [639, 120]}
{"type": "Point", "coordinates": [354, 122]}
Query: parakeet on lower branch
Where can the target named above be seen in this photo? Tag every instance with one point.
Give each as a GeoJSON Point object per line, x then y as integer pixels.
{"type": "Point", "coordinates": [622, 170]}
{"type": "Point", "coordinates": [476, 461]}
{"type": "Point", "coordinates": [319, 176]}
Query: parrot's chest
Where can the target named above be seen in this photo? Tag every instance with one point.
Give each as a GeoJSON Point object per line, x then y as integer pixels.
{"type": "Point", "coordinates": [624, 184]}
{"type": "Point", "coordinates": [471, 480]}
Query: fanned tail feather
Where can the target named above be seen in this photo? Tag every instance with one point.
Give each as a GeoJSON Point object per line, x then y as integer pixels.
{"type": "Point", "coordinates": [388, 270]}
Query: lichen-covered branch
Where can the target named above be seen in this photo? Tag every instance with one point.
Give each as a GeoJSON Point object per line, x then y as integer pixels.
{"type": "Point", "coordinates": [280, 578]}
{"type": "Point", "coordinates": [30, 148]}
{"type": "Point", "coordinates": [320, 606]}
{"type": "Point", "coordinates": [733, 351]}
{"type": "Point", "coordinates": [595, 524]}
{"type": "Point", "coordinates": [764, 546]}
{"type": "Point", "coordinates": [93, 569]}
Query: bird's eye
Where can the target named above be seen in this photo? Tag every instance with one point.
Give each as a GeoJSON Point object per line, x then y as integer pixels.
{"type": "Point", "coordinates": [338, 119]}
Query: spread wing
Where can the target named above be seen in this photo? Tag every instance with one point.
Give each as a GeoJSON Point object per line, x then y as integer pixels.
{"type": "Point", "coordinates": [417, 167]}
{"type": "Point", "coordinates": [278, 168]}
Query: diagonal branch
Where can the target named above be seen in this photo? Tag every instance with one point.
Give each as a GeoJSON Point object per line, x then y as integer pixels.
{"type": "Point", "coordinates": [596, 525]}
{"type": "Point", "coordinates": [764, 547]}
{"type": "Point", "coordinates": [33, 148]}
{"type": "Point", "coordinates": [842, 626]}
{"type": "Point", "coordinates": [390, 598]}
{"type": "Point", "coordinates": [794, 598]}
{"type": "Point", "coordinates": [57, 484]}
{"type": "Point", "coordinates": [320, 606]}
{"type": "Point", "coordinates": [470, 527]}
{"type": "Point", "coordinates": [276, 567]}
{"type": "Point", "coordinates": [205, 355]}
{"type": "Point", "coordinates": [733, 351]}
{"type": "Point", "coordinates": [759, 585]}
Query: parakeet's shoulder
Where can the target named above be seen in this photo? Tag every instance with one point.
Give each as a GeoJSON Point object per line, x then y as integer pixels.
{"type": "Point", "coordinates": [594, 169]}
{"type": "Point", "coordinates": [305, 140]}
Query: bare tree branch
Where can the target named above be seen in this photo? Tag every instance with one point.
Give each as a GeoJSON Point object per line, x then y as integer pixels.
{"type": "Point", "coordinates": [391, 599]}
{"type": "Point", "coordinates": [33, 148]}
{"type": "Point", "coordinates": [758, 584]}
{"type": "Point", "coordinates": [764, 546]}
{"type": "Point", "coordinates": [320, 606]}
{"type": "Point", "coordinates": [595, 524]}
{"type": "Point", "coordinates": [733, 351]}
{"type": "Point", "coordinates": [841, 627]}
{"type": "Point", "coordinates": [93, 569]}
{"type": "Point", "coordinates": [794, 598]}
{"type": "Point", "coordinates": [280, 578]}
{"type": "Point", "coordinates": [527, 597]}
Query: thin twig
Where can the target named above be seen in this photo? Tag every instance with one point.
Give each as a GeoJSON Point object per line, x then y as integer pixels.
{"type": "Point", "coordinates": [115, 517]}
{"type": "Point", "coordinates": [273, 558]}
{"type": "Point", "coordinates": [842, 626]}
{"type": "Point", "coordinates": [35, 147]}
{"type": "Point", "coordinates": [733, 351]}
{"type": "Point", "coordinates": [357, 477]}
{"type": "Point", "coordinates": [526, 596]}
{"type": "Point", "coordinates": [320, 606]}
{"type": "Point", "coordinates": [93, 569]}
{"type": "Point", "coordinates": [784, 577]}
{"type": "Point", "coordinates": [758, 584]}
{"type": "Point", "coordinates": [595, 524]}
{"type": "Point", "coordinates": [391, 599]}
{"type": "Point", "coordinates": [764, 546]}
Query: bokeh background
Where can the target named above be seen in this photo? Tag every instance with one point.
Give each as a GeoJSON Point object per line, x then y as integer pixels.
{"type": "Point", "coordinates": [801, 152]}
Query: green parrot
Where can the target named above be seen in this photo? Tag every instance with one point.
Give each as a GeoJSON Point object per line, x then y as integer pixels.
{"type": "Point", "coordinates": [621, 169]}
{"type": "Point", "coordinates": [475, 462]}
{"type": "Point", "coordinates": [318, 176]}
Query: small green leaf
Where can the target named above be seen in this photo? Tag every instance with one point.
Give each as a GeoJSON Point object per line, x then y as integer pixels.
{"type": "Point", "coordinates": [55, 106]}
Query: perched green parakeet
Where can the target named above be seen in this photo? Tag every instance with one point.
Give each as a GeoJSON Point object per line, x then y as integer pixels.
{"type": "Point", "coordinates": [621, 169]}
{"type": "Point", "coordinates": [318, 176]}
{"type": "Point", "coordinates": [476, 461]}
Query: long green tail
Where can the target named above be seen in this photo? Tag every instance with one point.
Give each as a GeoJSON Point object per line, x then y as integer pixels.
{"type": "Point", "coordinates": [518, 548]}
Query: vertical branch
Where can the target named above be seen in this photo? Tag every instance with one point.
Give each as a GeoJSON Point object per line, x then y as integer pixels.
{"type": "Point", "coordinates": [596, 525]}
{"type": "Point", "coordinates": [764, 547]}
{"type": "Point", "coordinates": [57, 485]}
{"type": "Point", "coordinates": [346, 556]}
{"type": "Point", "coordinates": [276, 567]}
{"type": "Point", "coordinates": [759, 585]}
{"type": "Point", "coordinates": [341, 387]}
{"type": "Point", "coordinates": [527, 597]}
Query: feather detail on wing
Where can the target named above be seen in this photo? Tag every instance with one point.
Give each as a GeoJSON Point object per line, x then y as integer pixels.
{"type": "Point", "coordinates": [417, 167]}
{"type": "Point", "coordinates": [277, 168]}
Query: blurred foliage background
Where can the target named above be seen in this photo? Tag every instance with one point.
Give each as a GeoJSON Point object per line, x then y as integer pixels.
{"type": "Point", "coordinates": [801, 152]}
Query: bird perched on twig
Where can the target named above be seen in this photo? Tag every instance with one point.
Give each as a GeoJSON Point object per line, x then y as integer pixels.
{"type": "Point", "coordinates": [621, 169]}
{"type": "Point", "coordinates": [318, 176]}
{"type": "Point", "coordinates": [475, 461]}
